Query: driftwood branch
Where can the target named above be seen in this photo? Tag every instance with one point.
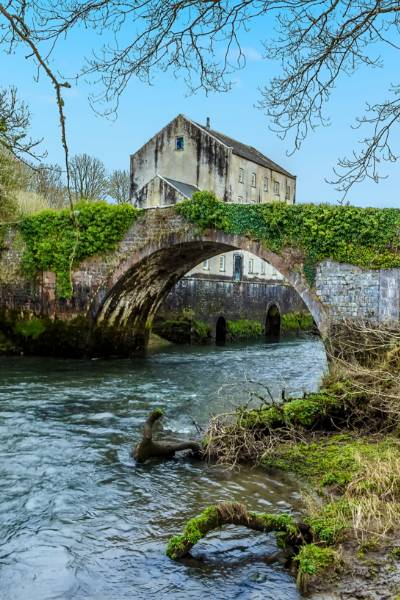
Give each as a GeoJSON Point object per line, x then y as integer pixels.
{"type": "Point", "coordinates": [289, 533]}
{"type": "Point", "coordinates": [148, 448]}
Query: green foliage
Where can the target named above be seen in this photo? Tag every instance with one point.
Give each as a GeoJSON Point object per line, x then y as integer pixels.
{"type": "Point", "coordinates": [306, 412]}
{"type": "Point", "coordinates": [55, 242]}
{"type": "Point", "coordinates": [313, 559]}
{"type": "Point", "coordinates": [30, 328]}
{"type": "Point", "coordinates": [395, 552]}
{"type": "Point", "coordinates": [201, 329]}
{"type": "Point", "coordinates": [295, 321]}
{"type": "Point", "coordinates": [331, 521]}
{"type": "Point", "coordinates": [244, 328]}
{"type": "Point", "coordinates": [367, 237]}
{"type": "Point", "coordinates": [330, 461]}
{"type": "Point", "coordinates": [205, 210]}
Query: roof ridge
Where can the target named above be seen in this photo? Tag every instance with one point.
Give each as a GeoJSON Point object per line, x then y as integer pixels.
{"type": "Point", "coordinates": [235, 146]}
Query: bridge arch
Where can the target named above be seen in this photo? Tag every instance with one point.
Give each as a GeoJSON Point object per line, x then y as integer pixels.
{"type": "Point", "coordinates": [136, 287]}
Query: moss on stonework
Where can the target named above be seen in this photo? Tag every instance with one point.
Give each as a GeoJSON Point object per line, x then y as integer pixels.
{"type": "Point", "coordinates": [184, 329]}
{"type": "Point", "coordinates": [76, 338]}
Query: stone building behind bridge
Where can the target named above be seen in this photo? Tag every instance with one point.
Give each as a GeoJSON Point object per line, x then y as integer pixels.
{"type": "Point", "coordinates": [185, 157]}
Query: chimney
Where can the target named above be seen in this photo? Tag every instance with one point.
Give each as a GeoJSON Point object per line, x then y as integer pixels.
{"type": "Point", "coordinates": [208, 124]}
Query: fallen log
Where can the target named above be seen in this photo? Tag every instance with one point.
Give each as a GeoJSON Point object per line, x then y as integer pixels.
{"type": "Point", "coordinates": [148, 448]}
{"type": "Point", "coordinates": [290, 534]}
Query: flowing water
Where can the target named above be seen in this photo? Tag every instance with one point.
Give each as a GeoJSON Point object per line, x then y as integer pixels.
{"type": "Point", "coordinates": [79, 520]}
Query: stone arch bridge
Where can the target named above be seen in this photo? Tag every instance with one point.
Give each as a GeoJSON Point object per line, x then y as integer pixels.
{"type": "Point", "coordinates": [125, 288]}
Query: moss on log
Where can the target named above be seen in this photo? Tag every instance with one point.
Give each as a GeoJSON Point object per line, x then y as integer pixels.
{"type": "Point", "coordinates": [289, 533]}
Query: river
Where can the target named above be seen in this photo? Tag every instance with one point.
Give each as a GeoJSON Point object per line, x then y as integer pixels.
{"type": "Point", "coordinates": [79, 520]}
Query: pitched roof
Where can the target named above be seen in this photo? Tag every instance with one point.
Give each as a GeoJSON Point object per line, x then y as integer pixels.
{"type": "Point", "coordinates": [245, 151]}
{"type": "Point", "coordinates": [185, 189]}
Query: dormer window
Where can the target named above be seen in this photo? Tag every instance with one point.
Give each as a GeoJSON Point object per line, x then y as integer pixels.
{"type": "Point", "coordinates": [179, 143]}
{"type": "Point", "coordinates": [253, 180]}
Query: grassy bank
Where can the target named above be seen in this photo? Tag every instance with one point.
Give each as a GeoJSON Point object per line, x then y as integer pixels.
{"type": "Point", "coordinates": [344, 444]}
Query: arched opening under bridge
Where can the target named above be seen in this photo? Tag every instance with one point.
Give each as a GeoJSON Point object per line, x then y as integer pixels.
{"type": "Point", "coordinates": [273, 322]}
{"type": "Point", "coordinates": [220, 331]}
{"type": "Point", "coordinates": [143, 277]}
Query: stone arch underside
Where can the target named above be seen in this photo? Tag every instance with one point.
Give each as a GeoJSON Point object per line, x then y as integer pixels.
{"type": "Point", "coordinates": [136, 288]}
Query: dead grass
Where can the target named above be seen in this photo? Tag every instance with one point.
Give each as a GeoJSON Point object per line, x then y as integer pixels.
{"type": "Point", "coordinates": [374, 495]}
{"type": "Point", "coordinates": [29, 203]}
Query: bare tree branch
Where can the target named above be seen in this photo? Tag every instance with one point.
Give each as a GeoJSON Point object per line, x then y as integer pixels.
{"type": "Point", "coordinates": [88, 177]}
{"type": "Point", "coordinates": [316, 43]}
{"type": "Point", "coordinates": [119, 186]}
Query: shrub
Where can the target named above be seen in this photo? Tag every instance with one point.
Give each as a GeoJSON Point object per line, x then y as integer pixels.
{"type": "Point", "coordinates": [58, 240]}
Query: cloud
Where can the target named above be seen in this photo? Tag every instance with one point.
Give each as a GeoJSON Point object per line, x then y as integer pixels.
{"type": "Point", "coordinates": [252, 54]}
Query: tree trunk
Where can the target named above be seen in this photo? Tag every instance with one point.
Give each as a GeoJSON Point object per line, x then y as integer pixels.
{"type": "Point", "coordinates": [147, 448]}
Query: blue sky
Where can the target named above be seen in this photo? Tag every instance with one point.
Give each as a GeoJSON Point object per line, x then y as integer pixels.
{"type": "Point", "coordinates": [146, 109]}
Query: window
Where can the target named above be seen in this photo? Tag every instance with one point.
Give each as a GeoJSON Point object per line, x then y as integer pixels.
{"type": "Point", "coordinates": [222, 263]}
{"type": "Point", "coordinates": [206, 265]}
{"type": "Point", "coordinates": [241, 175]}
{"type": "Point", "coordinates": [287, 193]}
{"type": "Point", "coordinates": [265, 184]}
{"type": "Point", "coordinates": [276, 188]}
{"type": "Point", "coordinates": [179, 143]}
{"type": "Point", "coordinates": [240, 199]}
{"type": "Point", "coordinates": [262, 267]}
{"type": "Point", "coordinates": [237, 267]}
{"type": "Point", "coordinates": [253, 180]}
{"type": "Point", "coordinates": [251, 265]}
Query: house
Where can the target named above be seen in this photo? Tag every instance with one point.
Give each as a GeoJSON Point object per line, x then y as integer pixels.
{"type": "Point", "coordinates": [185, 157]}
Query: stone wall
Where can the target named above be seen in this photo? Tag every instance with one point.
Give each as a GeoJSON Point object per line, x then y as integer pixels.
{"type": "Point", "coordinates": [354, 293]}
{"type": "Point", "coordinates": [245, 300]}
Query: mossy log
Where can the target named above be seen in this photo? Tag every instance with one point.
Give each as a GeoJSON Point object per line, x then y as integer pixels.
{"type": "Point", "coordinates": [148, 448]}
{"type": "Point", "coordinates": [288, 532]}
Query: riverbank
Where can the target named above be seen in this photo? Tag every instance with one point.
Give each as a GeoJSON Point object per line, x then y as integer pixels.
{"type": "Point", "coordinates": [343, 443]}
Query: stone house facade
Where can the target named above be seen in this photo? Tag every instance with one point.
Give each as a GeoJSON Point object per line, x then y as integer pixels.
{"type": "Point", "coordinates": [185, 156]}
